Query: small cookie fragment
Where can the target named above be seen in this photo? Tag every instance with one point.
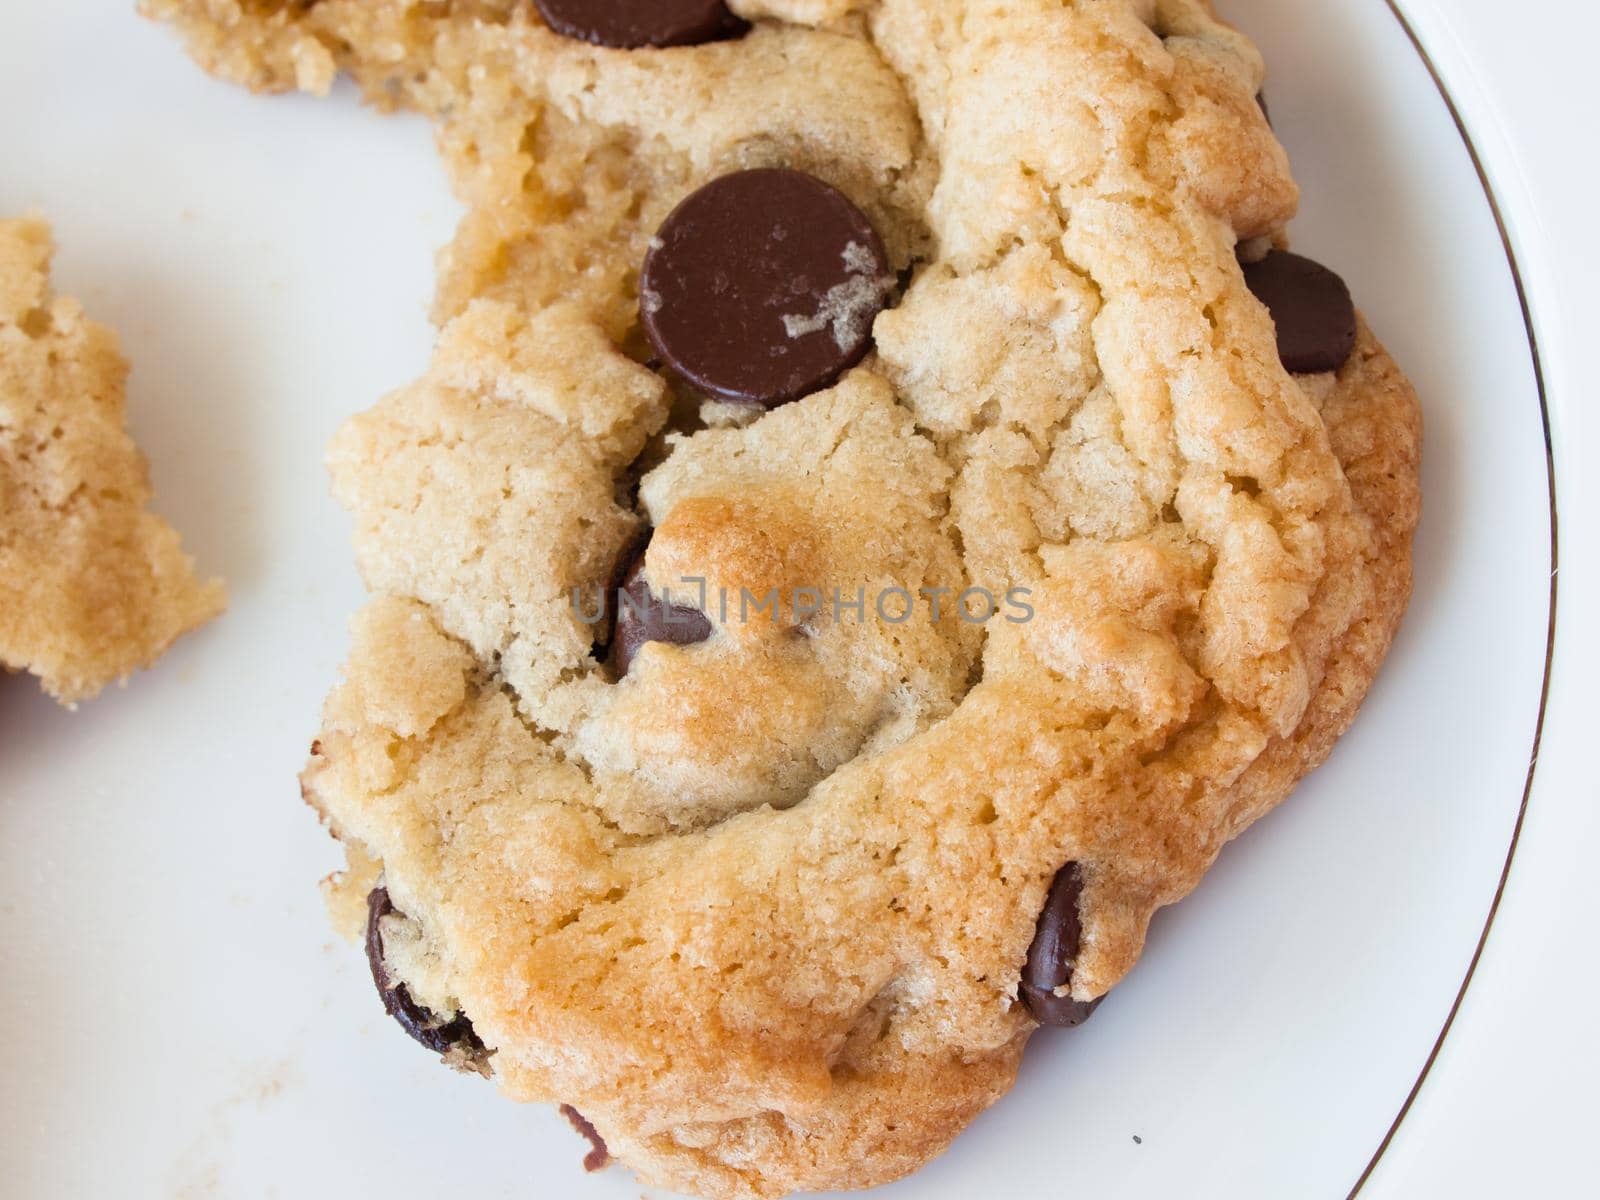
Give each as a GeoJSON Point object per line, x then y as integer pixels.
{"type": "Point", "coordinates": [91, 585]}
{"type": "Point", "coordinates": [632, 24]}
{"type": "Point", "coordinates": [762, 286]}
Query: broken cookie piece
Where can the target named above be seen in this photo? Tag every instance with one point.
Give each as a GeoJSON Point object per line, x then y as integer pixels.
{"type": "Point", "coordinates": [91, 585]}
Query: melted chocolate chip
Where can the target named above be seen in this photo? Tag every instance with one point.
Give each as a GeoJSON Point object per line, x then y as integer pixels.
{"type": "Point", "coordinates": [421, 1023]}
{"type": "Point", "coordinates": [1053, 953]}
{"type": "Point", "coordinates": [630, 24]}
{"type": "Point", "coordinates": [643, 617]}
{"type": "Point", "coordinates": [1311, 307]}
{"type": "Point", "coordinates": [762, 286]}
{"type": "Point", "coordinates": [598, 1156]}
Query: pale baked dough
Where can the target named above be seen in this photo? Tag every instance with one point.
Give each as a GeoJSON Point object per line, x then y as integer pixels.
{"type": "Point", "coordinates": [91, 585]}
{"type": "Point", "coordinates": [758, 910]}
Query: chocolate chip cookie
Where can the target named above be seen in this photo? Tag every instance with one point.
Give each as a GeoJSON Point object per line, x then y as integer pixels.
{"type": "Point", "coordinates": [91, 585]}
{"type": "Point", "coordinates": [885, 509]}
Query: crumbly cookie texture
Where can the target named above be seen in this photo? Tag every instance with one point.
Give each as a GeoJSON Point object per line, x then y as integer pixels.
{"type": "Point", "coordinates": [758, 908]}
{"type": "Point", "coordinates": [91, 585]}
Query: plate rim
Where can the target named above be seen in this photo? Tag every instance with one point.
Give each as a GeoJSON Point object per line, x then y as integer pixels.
{"type": "Point", "coordinates": [1502, 229]}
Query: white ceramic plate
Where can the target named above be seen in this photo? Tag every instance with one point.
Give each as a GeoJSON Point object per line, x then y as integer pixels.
{"type": "Point", "coordinates": [181, 1022]}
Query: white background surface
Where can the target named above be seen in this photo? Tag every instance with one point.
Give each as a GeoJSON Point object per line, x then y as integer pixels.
{"type": "Point", "coordinates": [182, 1022]}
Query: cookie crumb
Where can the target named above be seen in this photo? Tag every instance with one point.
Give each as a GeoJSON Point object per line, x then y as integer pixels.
{"type": "Point", "coordinates": [848, 307]}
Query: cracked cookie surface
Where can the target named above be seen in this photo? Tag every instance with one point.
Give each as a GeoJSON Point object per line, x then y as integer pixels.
{"type": "Point", "coordinates": [92, 586]}
{"type": "Point", "coordinates": [759, 906]}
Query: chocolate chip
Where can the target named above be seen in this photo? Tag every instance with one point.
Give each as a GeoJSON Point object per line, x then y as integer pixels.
{"type": "Point", "coordinates": [1054, 952]}
{"type": "Point", "coordinates": [1311, 307]}
{"type": "Point", "coordinates": [762, 286]}
{"type": "Point", "coordinates": [630, 24]}
{"type": "Point", "coordinates": [642, 617]}
{"type": "Point", "coordinates": [421, 1023]}
{"type": "Point", "coordinates": [1261, 103]}
{"type": "Point", "coordinates": [598, 1156]}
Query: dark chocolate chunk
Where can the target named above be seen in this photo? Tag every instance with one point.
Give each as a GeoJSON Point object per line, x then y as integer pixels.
{"type": "Point", "coordinates": [1311, 307]}
{"type": "Point", "coordinates": [643, 617]}
{"type": "Point", "coordinates": [598, 1156]}
{"type": "Point", "coordinates": [763, 285]}
{"type": "Point", "coordinates": [421, 1023]}
{"type": "Point", "coordinates": [630, 24]}
{"type": "Point", "coordinates": [1053, 953]}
